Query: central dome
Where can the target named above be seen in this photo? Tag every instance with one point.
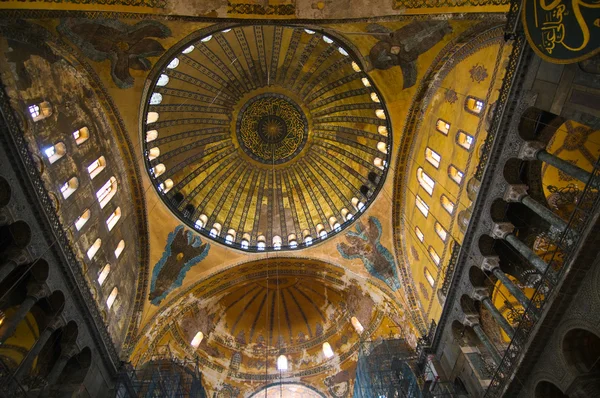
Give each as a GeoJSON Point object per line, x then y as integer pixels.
{"type": "Point", "coordinates": [265, 137]}
{"type": "Point", "coordinates": [271, 128]}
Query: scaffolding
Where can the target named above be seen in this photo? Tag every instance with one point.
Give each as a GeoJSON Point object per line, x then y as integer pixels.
{"type": "Point", "coordinates": [162, 376]}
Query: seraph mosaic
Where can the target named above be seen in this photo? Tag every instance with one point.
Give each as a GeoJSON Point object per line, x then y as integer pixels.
{"type": "Point", "coordinates": [184, 249]}
{"type": "Point", "coordinates": [126, 46]}
{"type": "Point", "coordinates": [365, 244]}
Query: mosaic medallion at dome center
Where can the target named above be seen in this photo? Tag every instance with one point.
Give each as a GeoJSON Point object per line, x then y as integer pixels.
{"type": "Point", "coordinates": [271, 128]}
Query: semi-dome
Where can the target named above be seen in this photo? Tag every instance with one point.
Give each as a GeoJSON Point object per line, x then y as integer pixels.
{"type": "Point", "coordinates": [265, 137]}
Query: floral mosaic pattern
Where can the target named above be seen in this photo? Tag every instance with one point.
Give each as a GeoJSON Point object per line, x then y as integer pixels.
{"type": "Point", "coordinates": [126, 46]}
{"type": "Point", "coordinates": [451, 96]}
{"type": "Point", "coordinates": [365, 245]}
{"type": "Point", "coordinates": [478, 73]}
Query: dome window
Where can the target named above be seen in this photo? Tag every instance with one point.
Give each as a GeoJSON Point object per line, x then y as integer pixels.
{"type": "Point", "coordinates": [292, 242]}
{"type": "Point", "coordinates": [80, 136]}
{"type": "Point", "coordinates": [151, 135]}
{"type": "Point", "coordinates": [152, 117]}
{"type": "Point", "coordinates": [419, 234]}
{"type": "Point", "coordinates": [206, 39]}
{"type": "Point", "coordinates": [111, 299]}
{"type": "Point", "coordinates": [277, 242]}
{"type": "Point", "coordinates": [442, 126]}
{"type": "Point", "coordinates": [261, 243]}
{"type": "Point", "coordinates": [162, 81]}
{"type": "Point", "coordinates": [106, 193]}
{"type": "Point", "coordinates": [355, 67]}
{"type": "Point", "coordinates": [425, 181]}
{"type": "Point", "coordinates": [55, 152]}
{"type": "Point", "coordinates": [69, 187]}
{"type": "Point", "coordinates": [230, 237]}
{"type": "Point", "coordinates": [113, 219]}
{"type": "Point", "coordinates": [282, 363]}
{"type": "Point", "coordinates": [215, 230]}
{"type": "Point", "coordinates": [308, 240]}
{"type": "Point", "coordinates": [310, 32]}
{"type": "Point", "coordinates": [365, 82]}
{"type": "Point", "coordinates": [441, 231]}
{"type": "Point", "coordinates": [173, 64]}
{"type": "Point", "coordinates": [153, 153]}
{"type": "Point", "coordinates": [346, 214]}
{"type": "Point", "coordinates": [244, 244]}
{"type": "Point", "coordinates": [375, 98]}
{"type": "Point", "coordinates": [82, 219]}
{"type": "Point", "coordinates": [433, 157]}
{"type": "Point", "coordinates": [197, 339]}
{"type": "Point", "coordinates": [188, 50]}
{"type": "Point", "coordinates": [447, 204]}
{"type": "Point", "coordinates": [91, 252]}
{"type": "Point", "coordinates": [103, 274]}
{"type": "Point", "coordinates": [382, 130]}
{"type": "Point", "coordinates": [226, 30]}
{"type": "Point", "coordinates": [422, 206]}
{"type": "Point", "coordinates": [379, 163]}
{"type": "Point", "coordinates": [96, 167]}
{"type": "Point", "coordinates": [40, 111]}
{"type": "Point", "coordinates": [156, 99]}
{"type": "Point", "coordinates": [158, 170]}
{"type": "Point", "coordinates": [382, 147]}
{"type": "Point", "coordinates": [357, 325]}
{"type": "Point", "coordinates": [358, 204]}
{"type": "Point", "coordinates": [327, 40]}
{"type": "Point", "coordinates": [165, 186]}
{"type": "Point", "coordinates": [327, 350]}
{"type": "Point", "coordinates": [380, 113]}
{"type": "Point", "coordinates": [343, 52]}
{"type": "Point", "coordinates": [201, 221]}
{"type": "Point", "coordinates": [120, 248]}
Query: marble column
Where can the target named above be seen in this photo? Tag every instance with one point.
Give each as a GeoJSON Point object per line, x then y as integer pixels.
{"type": "Point", "coordinates": [67, 352]}
{"type": "Point", "coordinates": [34, 293]}
{"type": "Point", "coordinates": [6, 268]}
{"type": "Point", "coordinates": [518, 193]}
{"type": "Point", "coordinates": [534, 150]}
{"type": "Point", "coordinates": [485, 340]}
{"type": "Point", "coordinates": [504, 230]}
{"type": "Point", "coordinates": [481, 295]}
{"type": "Point", "coordinates": [25, 366]}
{"type": "Point", "coordinates": [492, 264]}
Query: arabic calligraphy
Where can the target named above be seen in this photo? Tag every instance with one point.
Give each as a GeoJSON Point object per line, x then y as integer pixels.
{"type": "Point", "coordinates": [561, 29]}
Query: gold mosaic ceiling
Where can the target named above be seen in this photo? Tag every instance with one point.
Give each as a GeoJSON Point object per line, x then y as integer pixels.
{"type": "Point", "coordinates": [265, 137]}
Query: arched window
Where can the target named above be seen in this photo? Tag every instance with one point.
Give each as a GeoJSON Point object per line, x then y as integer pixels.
{"type": "Point", "coordinates": [201, 221]}
{"type": "Point", "coordinates": [433, 157]}
{"type": "Point", "coordinates": [55, 152]}
{"type": "Point", "coordinates": [91, 252]}
{"type": "Point", "coordinates": [425, 181]}
{"type": "Point", "coordinates": [152, 117]}
{"type": "Point", "coordinates": [358, 205]}
{"type": "Point", "coordinates": [419, 234]}
{"type": "Point", "coordinates": [447, 204]}
{"type": "Point", "coordinates": [375, 98]}
{"type": "Point", "coordinates": [327, 350]}
{"type": "Point", "coordinates": [173, 64]}
{"type": "Point", "coordinates": [163, 80]}
{"type": "Point", "coordinates": [346, 214]}
{"type": "Point", "coordinates": [40, 111]}
{"type": "Point", "coordinates": [306, 237]}
{"type": "Point", "coordinates": [205, 39]}
{"type": "Point", "coordinates": [230, 237]}
{"type": "Point", "coordinates": [277, 242]}
{"type": "Point", "coordinates": [261, 246]}
{"type": "Point", "coordinates": [464, 140]}
{"type": "Point", "coordinates": [166, 185]}
{"type": "Point", "coordinates": [113, 296]}
{"type": "Point", "coordinates": [422, 206]}
{"type": "Point", "coordinates": [120, 248]}
{"type": "Point", "coordinates": [188, 50]}
{"type": "Point", "coordinates": [69, 187]}
{"type": "Point", "coordinates": [357, 325]}
{"type": "Point", "coordinates": [380, 163]}
{"type": "Point", "coordinates": [441, 231]}
{"type": "Point", "coordinates": [474, 105]}
{"type": "Point", "coordinates": [321, 231]}
{"type": "Point", "coordinates": [197, 339]}
{"type": "Point", "coordinates": [355, 67]}
{"type": "Point", "coordinates": [103, 274]}
{"type": "Point", "coordinates": [434, 256]}
{"type": "Point", "coordinates": [442, 126]}
{"type": "Point", "coordinates": [429, 277]}
{"type": "Point", "coordinates": [80, 136]}
{"type": "Point", "coordinates": [106, 193]}
{"type": "Point", "coordinates": [153, 153]}
{"type": "Point", "coordinates": [245, 242]}
{"type": "Point", "coordinates": [112, 220]}
{"type": "Point", "coordinates": [365, 82]}
{"type": "Point", "coordinates": [455, 174]}
{"type": "Point", "coordinates": [380, 113]}
{"type": "Point", "coordinates": [282, 363]}
{"type": "Point", "coordinates": [382, 147]}
{"type": "Point", "coordinates": [334, 224]}
{"type": "Point", "coordinates": [96, 167]}
{"type": "Point", "coordinates": [151, 135]}
{"type": "Point", "coordinates": [292, 242]}
{"type": "Point", "coordinates": [158, 170]}
{"type": "Point", "coordinates": [82, 219]}
{"type": "Point", "coordinates": [382, 130]}
{"type": "Point", "coordinates": [327, 39]}
{"type": "Point", "coordinates": [215, 230]}
{"type": "Point", "coordinates": [156, 99]}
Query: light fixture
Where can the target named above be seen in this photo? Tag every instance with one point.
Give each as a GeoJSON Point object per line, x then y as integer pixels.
{"type": "Point", "coordinates": [197, 339]}
{"type": "Point", "coordinates": [327, 351]}
{"type": "Point", "coordinates": [282, 363]}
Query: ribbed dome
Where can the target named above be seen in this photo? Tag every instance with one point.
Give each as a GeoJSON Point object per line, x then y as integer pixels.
{"type": "Point", "coordinates": [265, 137]}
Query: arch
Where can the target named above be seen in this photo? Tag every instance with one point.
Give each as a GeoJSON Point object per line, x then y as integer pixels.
{"type": "Point", "coordinates": [96, 167]}
{"type": "Point", "coordinates": [17, 234]}
{"type": "Point", "coordinates": [5, 192]}
{"type": "Point", "coordinates": [547, 389]}
{"type": "Point", "coordinates": [76, 369]}
{"type": "Point", "coordinates": [581, 349]}
{"type": "Point", "coordinates": [286, 389]}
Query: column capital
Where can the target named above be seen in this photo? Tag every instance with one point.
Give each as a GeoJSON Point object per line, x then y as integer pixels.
{"type": "Point", "coordinates": [69, 350]}
{"type": "Point", "coordinates": [515, 193]}
{"type": "Point", "coordinates": [489, 263]}
{"type": "Point", "coordinates": [479, 293]}
{"type": "Point", "coordinates": [55, 323]}
{"type": "Point", "coordinates": [470, 320]}
{"type": "Point", "coordinates": [37, 290]}
{"type": "Point", "coordinates": [501, 229]}
{"type": "Point", "coordinates": [530, 149]}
